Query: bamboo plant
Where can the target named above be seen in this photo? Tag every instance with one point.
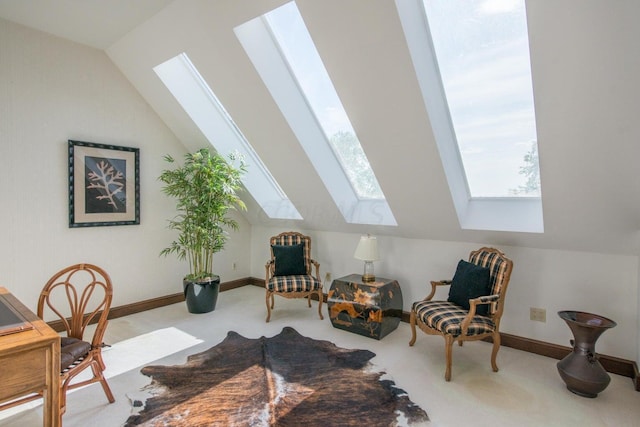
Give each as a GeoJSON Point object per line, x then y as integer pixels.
{"type": "Point", "coordinates": [205, 187]}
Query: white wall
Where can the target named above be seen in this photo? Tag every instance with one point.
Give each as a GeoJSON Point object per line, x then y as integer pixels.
{"type": "Point", "coordinates": [51, 91]}
{"type": "Point", "coordinates": [550, 279]}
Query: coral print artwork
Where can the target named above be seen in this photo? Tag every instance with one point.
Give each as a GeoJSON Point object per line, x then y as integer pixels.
{"type": "Point", "coordinates": [105, 185]}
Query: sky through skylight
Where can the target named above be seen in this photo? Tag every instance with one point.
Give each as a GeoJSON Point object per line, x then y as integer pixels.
{"type": "Point", "coordinates": [295, 42]}
{"type": "Point", "coordinates": [482, 49]}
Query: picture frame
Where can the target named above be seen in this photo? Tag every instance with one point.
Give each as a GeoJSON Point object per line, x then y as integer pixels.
{"type": "Point", "coordinates": [104, 185]}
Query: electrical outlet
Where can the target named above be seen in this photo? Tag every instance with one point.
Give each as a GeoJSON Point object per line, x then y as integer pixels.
{"type": "Point", "coordinates": [538, 314]}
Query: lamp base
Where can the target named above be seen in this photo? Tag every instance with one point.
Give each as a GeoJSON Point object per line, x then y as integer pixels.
{"type": "Point", "coordinates": [368, 275]}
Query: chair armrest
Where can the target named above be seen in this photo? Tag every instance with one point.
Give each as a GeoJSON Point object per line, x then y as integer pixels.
{"type": "Point", "coordinates": [486, 299]}
{"type": "Point", "coordinates": [269, 269]}
{"type": "Point", "coordinates": [434, 286]}
{"type": "Point", "coordinates": [316, 264]}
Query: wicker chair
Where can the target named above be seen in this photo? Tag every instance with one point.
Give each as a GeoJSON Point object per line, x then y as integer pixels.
{"type": "Point", "coordinates": [288, 272]}
{"type": "Point", "coordinates": [78, 295]}
{"type": "Point", "coordinates": [457, 323]}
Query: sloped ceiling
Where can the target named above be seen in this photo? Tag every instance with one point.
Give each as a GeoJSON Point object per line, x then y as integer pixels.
{"type": "Point", "coordinates": [94, 23]}
{"type": "Point", "coordinates": [586, 78]}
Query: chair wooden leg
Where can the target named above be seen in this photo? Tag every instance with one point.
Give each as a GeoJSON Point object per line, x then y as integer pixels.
{"type": "Point", "coordinates": [63, 398]}
{"type": "Point", "coordinates": [448, 356]}
{"type": "Point", "coordinates": [97, 372]}
{"type": "Point", "coordinates": [309, 300]}
{"type": "Point", "coordinates": [98, 357]}
{"type": "Point", "coordinates": [494, 353]}
{"type": "Point", "coordinates": [320, 304]}
{"type": "Point", "coordinates": [65, 385]}
{"type": "Point", "coordinates": [412, 323]}
{"type": "Point", "coordinates": [269, 305]}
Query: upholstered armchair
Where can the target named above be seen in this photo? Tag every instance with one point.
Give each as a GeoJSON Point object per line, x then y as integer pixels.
{"type": "Point", "coordinates": [289, 271]}
{"type": "Point", "coordinates": [474, 306]}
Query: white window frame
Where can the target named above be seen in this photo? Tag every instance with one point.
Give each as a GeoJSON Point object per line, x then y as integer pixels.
{"type": "Point", "coordinates": [519, 214]}
{"type": "Point", "coordinates": [195, 96]}
{"type": "Point", "coordinates": [270, 63]}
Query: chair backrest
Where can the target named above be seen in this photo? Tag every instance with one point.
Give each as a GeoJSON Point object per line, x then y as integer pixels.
{"type": "Point", "coordinates": [499, 271]}
{"type": "Point", "coordinates": [79, 295]}
{"type": "Point", "coordinates": [289, 238]}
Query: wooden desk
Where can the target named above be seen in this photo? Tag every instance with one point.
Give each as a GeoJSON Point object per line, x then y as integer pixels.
{"type": "Point", "coordinates": [30, 362]}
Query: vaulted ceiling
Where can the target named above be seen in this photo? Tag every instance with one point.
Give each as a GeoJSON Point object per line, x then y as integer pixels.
{"type": "Point", "coordinates": [586, 81]}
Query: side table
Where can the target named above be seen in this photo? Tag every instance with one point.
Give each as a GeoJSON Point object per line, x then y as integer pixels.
{"type": "Point", "coordinates": [372, 309]}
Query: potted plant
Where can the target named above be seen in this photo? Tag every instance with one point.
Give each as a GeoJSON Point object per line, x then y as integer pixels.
{"type": "Point", "coordinates": [205, 188]}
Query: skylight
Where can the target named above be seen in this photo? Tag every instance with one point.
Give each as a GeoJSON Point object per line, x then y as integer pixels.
{"type": "Point", "coordinates": [195, 96]}
{"type": "Point", "coordinates": [299, 51]}
{"type": "Point", "coordinates": [280, 47]}
{"type": "Point", "coordinates": [486, 74]}
{"type": "Point", "coordinates": [476, 85]}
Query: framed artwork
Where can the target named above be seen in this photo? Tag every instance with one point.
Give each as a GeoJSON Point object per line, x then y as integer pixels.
{"type": "Point", "coordinates": [104, 185]}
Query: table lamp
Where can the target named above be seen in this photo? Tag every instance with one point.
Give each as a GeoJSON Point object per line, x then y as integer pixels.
{"type": "Point", "coordinates": [367, 251]}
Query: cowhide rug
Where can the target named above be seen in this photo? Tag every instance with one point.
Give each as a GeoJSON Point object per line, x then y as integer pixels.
{"type": "Point", "coordinates": [287, 380]}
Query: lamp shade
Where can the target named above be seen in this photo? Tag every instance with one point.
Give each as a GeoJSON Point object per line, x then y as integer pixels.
{"type": "Point", "coordinates": [367, 249]}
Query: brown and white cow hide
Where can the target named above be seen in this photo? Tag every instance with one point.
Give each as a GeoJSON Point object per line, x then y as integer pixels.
{"type": "Point", "coordinates": [286, 380]}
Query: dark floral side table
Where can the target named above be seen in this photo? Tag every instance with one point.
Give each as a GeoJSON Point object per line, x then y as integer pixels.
{"type": "Point", "coordinates": [372, 309]}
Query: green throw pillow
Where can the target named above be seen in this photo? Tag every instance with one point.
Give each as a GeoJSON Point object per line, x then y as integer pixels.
{"type": "Point", "coordinates": [289, 259]}
{"type": "Point", "coordinates": [470, 281]}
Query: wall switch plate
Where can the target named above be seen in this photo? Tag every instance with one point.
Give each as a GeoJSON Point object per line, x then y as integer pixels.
{"type": "Point", "coordinates": [538, 314]}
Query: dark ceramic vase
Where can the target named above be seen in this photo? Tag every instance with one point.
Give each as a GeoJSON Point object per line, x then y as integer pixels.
{"type": "Point", "coordinates": [201, 297]}
{"type": "Point", "coordinates": [581, 370]}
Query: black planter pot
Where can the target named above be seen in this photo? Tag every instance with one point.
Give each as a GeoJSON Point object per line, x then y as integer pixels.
{"type": "Point", "coordinates": [201, 297]}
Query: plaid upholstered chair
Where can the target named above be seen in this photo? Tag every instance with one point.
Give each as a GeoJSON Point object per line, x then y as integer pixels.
{"type": "Point", "coordinates": [474, 306]}
{"type": "Point", "coordinates": [288, 272]}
